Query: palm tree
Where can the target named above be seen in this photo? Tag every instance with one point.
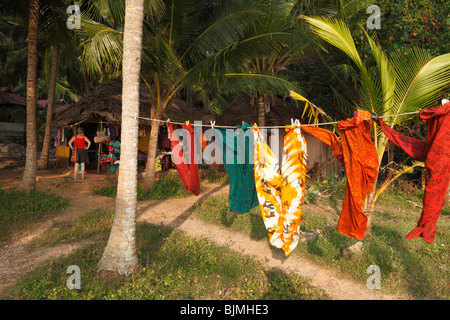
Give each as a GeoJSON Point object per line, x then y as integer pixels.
{"type": "Point", "coordinates": [28, 183]}
{"type": "Point", "coordinates": [56, 32]}
{"type": "Point", "coordinates": [43, 160]}
{"type": "Point", "coordinates": [403, 83]}
{"type": "Point", "coordinates": [120, 253]}
{"type": "Point", "coordinates": [190, 44]}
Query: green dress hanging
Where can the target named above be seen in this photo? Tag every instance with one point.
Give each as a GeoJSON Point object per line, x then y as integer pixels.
{"type": "Point", "coordinates": [242, 196]}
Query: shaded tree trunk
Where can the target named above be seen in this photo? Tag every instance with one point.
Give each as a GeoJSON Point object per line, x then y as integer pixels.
{"type": "Point", "coordinates": [87, 84]}
{"type": "Point", "coordinates": [447, 197]}
{"type": "Point", "coordinates": [43, 160]}
{"type": "Point", "coordinates": [369, 210]}
{"type": "Point", "coordinates": [120, 252]}
{"type": "Point", "coordinates": [150, 177]}
{"type": "Point", "coordinates": [261, 111]}
{"type": "Point", "coordinates": [28, 183]}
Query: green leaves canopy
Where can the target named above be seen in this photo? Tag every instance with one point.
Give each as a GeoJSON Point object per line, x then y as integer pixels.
{"type": "Point", "coordinates": [193, 43]}
{"type": "Point", "coordinates": [403, 82]}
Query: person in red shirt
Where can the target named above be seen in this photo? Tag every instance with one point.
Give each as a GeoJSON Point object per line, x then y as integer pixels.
{"type": "Point", "coordinates": [80, 142]}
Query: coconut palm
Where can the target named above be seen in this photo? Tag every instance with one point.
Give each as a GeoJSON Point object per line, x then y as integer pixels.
{"type": "Point", "coordinates": [54, 29]}
{"type": "Point", "coordinates": [402, 83]}
{"type": "Point", "coordinates": [192, 44]}
{"type": "Point", "coordinates": [213, 55]}
{"type": "Point", "coordinates": [28, 183]}
{"type": "Point", "coordinates": [52, 32]}
{"type": "Point", "coordinates": [120, 253]}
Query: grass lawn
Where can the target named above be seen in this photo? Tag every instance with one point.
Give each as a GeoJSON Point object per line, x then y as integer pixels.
{"type": "Point", "coordinates": [167, 187]}
{"type": "Point", "coordinates": [173, 266]}
{"type": "Point", "coordinates": [19, 210]}
{"type": "Point", "coordinates": [408, 267]}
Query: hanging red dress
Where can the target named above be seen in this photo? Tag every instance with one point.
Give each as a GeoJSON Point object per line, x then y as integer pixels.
{"type": "Point", "coordinates": [187, 168]}
{"type": "Point", "coordinates": [435, 153]}
{"type": "Point", "coordinates": [358, 154]}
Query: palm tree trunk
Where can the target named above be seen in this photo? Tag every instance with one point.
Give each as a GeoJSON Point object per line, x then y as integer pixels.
{"type": "Point", "coordinates": [87, 84]}
{"type": "Point", "coordinates": [120, 252]}
{"type": "Point", "coordinates": [43, 160]}
{"type": "Point", "coordinates": [447, 197]}
{"type": "Point", "coordinates": [28, 183]}
{"type": "Point", "coordinates": [150, 177]}
{"type": "Point", "coordinates": [369, 210]}
{"type": "Point", "coordinates": [261, 112]}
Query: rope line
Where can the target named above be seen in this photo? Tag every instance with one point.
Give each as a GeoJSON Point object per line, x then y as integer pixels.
{"type": "Point", "coordinates": [266, 127]}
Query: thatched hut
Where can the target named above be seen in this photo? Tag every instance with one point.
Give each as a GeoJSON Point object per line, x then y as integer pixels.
{"type": "Point", "coordinates": [12, 117]}
{"type": "Point", "coordinates": [8, 97]}
{"type": "Point", "coordinates": [105, 101]}
{"type": "Point", "coordinates": [281, 112]}
{"type": "Point", "coordinates": [103, 107]}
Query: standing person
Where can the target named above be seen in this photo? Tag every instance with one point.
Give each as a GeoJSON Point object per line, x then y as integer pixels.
{"type": "Point", "coordinates": [80, 142]}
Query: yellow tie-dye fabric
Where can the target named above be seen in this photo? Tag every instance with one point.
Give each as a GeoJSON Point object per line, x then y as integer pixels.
{"type": "Point", "coordinates": [281, 190]}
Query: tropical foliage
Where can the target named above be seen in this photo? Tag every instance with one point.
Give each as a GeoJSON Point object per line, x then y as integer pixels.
{"type": "Point", "coordinates": [400, 84]}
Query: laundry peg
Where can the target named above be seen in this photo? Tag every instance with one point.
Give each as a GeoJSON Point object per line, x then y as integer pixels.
{"type": "Point", "coordinates": [212, 124]}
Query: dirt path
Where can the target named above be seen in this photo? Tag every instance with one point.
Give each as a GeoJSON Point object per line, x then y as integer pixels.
{"type": "Point", "coordinates": [17, 258]}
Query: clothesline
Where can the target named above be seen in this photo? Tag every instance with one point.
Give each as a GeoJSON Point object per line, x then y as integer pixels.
{"type": "Point", "coordinates": [266, 127]}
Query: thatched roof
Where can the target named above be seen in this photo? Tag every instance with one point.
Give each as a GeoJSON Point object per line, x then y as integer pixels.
{"type": "Point", "coordinates": [241, 109]}
{"type": "Point", "coordinates": [9, 97]}
{"type": "Point", "coordinates": [106, 101]}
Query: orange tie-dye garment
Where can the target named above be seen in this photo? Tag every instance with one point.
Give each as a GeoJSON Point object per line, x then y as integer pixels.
{"type": "Point", "coordinates": [281, 190]}
{"type": "Point", "coordinates": [358, 154]}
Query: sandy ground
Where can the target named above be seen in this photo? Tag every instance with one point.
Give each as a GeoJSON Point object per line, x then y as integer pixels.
{"type": "Point", "coordinates": [17, 257]}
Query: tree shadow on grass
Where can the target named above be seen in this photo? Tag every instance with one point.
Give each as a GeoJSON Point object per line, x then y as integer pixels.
{"type": "Point", "coordinates": [388, 250]}
{"type": "Point", "coordinates": [258, 229]}
{"type": "Point", "coordinates": [157, 240]}
{"type": "Point", "coordinates": [283, 286]}
{"type": "Point", "coordinates": [389, 253]}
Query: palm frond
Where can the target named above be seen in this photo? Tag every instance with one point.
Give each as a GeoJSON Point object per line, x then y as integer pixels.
{"type": "Point", "coordinates": [224, 30]}
{"type": "Point", "coordinates": [314, 112]}
{"type": "Point", "coordinates": [397, 173]}
{"type": "Point", "coordinates": [158, 57]}
{"type": "Point", "coordinates": [419, 80]}
{"type": "Point", "coordinates": [155, 8]}
{"type": "Point", "coordinates": [337, 34]}
{"type": "Point", "coordinates": [102, 49]}
{"type": "Point", "coordinates": [257, 84]}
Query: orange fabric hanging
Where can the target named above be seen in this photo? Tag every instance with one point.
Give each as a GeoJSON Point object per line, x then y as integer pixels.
{"type": "Point", "coordinates": [358, 154]}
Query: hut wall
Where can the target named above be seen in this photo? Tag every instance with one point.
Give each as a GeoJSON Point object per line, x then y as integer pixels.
{"type": "Point", "coordinates": [12, 133]}
{"type": "Point", "coordinates": [319, 153]}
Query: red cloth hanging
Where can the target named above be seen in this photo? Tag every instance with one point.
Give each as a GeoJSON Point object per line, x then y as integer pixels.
{"type": "Point", "coordinates": [189, 173]}
{"type": "Point", "coordinates": [435, 153]}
